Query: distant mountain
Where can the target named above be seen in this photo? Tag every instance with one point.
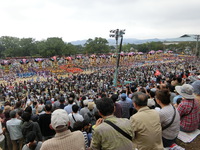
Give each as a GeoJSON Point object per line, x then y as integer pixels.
{"type": "Point", "coordinates": [139, 41]}
{"type": "Point", "coordinates": [125, 41]}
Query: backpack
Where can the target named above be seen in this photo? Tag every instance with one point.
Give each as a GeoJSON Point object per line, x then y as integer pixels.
{"type": "Point", "coordinates": [92, 119]}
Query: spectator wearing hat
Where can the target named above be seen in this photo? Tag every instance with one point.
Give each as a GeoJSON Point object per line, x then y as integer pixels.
{"type": "Point", "coordinates": [45, 121]}
{"type": "Point", "coordinates": [169, 118]}
{"type": "Point", "coordinates": [146, 124]}
{"type": "Point", "coordinates": [188, 109]}
{"type": "Point", "coordinates": [15, 130]}
{"type": "Point", "coordinates": [85, 109]}
{"type": "Point", "coordinates": [90, 116]}
{"type": "Point", "coordinates": [196, 86]}
{"type": "Point", "coordinates": [126, 105]}
{"type": "Point", "coordinates": [64, 138]}
{"type": "Point", "coordinates": [106, 136]}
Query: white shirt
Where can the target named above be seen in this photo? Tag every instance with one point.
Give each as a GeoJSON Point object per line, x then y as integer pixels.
{"type": "Point", "coordinates": [14, 127]}
{"type": "Point", "coordinates": [2, 137]}
{"type": "Point", "coordinates": [77, 117]}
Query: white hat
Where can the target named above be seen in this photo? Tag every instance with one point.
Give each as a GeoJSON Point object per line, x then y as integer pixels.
{"type": "Point", "coordinates": [59, 118]}
{"type": "Point", "coordinates": [85, 102]}
{"type": "Point", "coordinates": [186, 91]}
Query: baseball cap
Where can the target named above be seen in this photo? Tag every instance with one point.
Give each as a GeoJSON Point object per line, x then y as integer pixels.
{"type": "Point", "coordinates": [59, 118]}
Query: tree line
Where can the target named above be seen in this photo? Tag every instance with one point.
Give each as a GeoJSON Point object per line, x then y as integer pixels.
{"type": "Point", "coordinates": [19, 47]}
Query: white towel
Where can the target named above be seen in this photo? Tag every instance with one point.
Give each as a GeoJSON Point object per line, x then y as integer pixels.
{"type": "Point", "coordinates": [188, 137]}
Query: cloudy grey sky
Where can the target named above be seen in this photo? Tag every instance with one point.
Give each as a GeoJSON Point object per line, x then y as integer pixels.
{"type": "Point", "coordinates": [83, 19]}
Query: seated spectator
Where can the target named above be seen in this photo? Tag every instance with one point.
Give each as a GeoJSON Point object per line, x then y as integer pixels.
{"type": "Point", "coordinates": [196, 86]}
{"type": "Point", "coordinates": [32, 143]}
{"type": "Point", "coordinates": [105, 136]}
{"type": "Point", "coordinates": [146, 124]}
{"type": "Point", "coordinates": [188, 109]}
{"type": "Point", "coordinates": [169, 118]}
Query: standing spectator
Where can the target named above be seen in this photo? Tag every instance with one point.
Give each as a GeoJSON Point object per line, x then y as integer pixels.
{"type": "Point", "coordinates": [64, 138]}
{"type": "Point", "coordinates": [62, 103]}
{"type": "Point", "coordinates": [45, 121]}
{"type": "Point", "coordinates": [7, 135]}
{"type": "Point", "coordinates": [169, 118]}
{"type": "Point", "coordinates": [105, 136]}
{"type": "Point", "coordinates": [32, 143]}
{"type": "Point", "coordinates": [74, 116]}
{"type": "Point", "coordinates": [34, 117]}
{"type": "Point", "coordinates": [15, 130]}
{"type": "Point", "coordinates": [188, 109]}
{"type": "Point", "coordinates": [89, 117]}
{"type": "Point", "coordinates": [2, 137]}
{"type": "Point", "coordinates": [80, 126]}
{"type": "Point", "coordinates": [126, 105]}
{"type": "Point", "coordinates": [146, 124]}
{"type": "Point", "coordinates": [85, 109]}
{"type": "Point", "coordinates": [118, 108]}
{"type": "Point", "coordinates": [68, 108]}
{"type": "Point", "coordinates": [29, 125]}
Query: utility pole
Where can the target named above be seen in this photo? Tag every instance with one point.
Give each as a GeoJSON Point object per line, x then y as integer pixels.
{"type": "Point", "coordinates": [117, 33]}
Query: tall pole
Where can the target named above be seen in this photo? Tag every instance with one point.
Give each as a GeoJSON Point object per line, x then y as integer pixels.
{"type": "Point", "coordinates": [117, 64]}
{"type": "Point", "coordinates": [117, 33]}
{"type": "Point", "coordinates": [197, 45]}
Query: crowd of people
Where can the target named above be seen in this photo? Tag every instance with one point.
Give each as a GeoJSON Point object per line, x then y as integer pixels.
{"type": "Point", "coordinates": [147, 109]}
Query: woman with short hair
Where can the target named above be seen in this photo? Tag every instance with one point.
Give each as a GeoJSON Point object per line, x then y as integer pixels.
{"type": "Point", "coordinates": [169, 118]}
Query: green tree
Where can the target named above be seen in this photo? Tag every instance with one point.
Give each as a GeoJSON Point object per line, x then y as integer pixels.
{"type": "Point", "coordinates": [10, 46]}
{"type": "Point", "coordinates": [28, 47]}
{"type": "Point", "coordinates": [79, 49]}
{"type": "Point", "coordinates": [70, 49]}
{"type": "Point", "coordinates": [98, 46]}
{"type": "Point", "coordinates": [51, 46]}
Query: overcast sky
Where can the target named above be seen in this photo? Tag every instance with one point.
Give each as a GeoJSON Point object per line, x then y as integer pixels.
{"type": "Point", "coordinates": [82, 19]}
